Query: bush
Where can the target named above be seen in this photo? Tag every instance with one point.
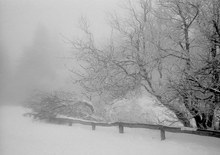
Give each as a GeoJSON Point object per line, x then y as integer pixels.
{"type": "Point", "coordinates": [48, 105]}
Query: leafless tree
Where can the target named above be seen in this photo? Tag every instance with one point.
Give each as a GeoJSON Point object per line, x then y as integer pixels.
{"type": "Point", "coordinates": [198, 26]}
{"type": "Point", "coordinates": [124, 64]}
{"type": "Point", "coordinates": [206, 77]}
{"type": "Point", "coordinates": [147, 39]}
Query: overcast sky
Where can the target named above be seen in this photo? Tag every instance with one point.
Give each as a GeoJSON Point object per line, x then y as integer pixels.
{"type": "Point", "coordinates": [20, 18]}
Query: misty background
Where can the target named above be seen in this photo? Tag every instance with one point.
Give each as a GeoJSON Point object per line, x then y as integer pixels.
{"type": "Point", "coordinates": [34, 51]}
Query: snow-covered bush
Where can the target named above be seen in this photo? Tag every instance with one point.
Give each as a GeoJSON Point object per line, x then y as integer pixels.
{"type": "Point", "coordinates": [78, 109]}
{"type": "Point", "coordinates": [142, 109]}
{"type": "Point", "coordinates": [49, 105]}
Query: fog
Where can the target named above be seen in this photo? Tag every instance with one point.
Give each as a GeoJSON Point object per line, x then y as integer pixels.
{"type": "Point", "coordinates": [32, 46]}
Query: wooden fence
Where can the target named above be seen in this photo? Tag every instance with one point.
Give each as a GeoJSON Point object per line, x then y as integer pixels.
{"type": "Point", "coordinates": [122, 125]}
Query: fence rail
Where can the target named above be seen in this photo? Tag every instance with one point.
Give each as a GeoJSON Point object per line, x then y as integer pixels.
{"type": "Point", "coordinates": [122, 125]}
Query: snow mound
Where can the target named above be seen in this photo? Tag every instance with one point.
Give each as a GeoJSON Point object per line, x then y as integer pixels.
{"type": "Point", "coordinates": [142, 109]}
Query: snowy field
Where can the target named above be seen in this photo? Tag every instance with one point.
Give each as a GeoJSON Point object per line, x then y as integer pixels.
{"type": "Point", "coordinates": [21, 136]}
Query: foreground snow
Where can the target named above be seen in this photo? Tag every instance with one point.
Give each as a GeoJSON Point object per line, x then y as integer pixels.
{"type": "Point", "coordinates": [21, 136]}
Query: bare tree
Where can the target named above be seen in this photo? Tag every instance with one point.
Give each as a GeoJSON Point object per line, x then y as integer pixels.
{"type": "Point", "coordinates": [177, 18]}
{"type": "Point", "coordinates": [199, 78]}
{"type": "Point", "coordinates": [142, 42]}
{"type": "Point", "coordinates": [124, 64]}
{"type": "Point", "coordinates": [206, 77]}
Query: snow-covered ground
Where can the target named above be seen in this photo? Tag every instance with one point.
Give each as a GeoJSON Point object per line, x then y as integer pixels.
{"type": "Point", "coordinates": [21, 136]}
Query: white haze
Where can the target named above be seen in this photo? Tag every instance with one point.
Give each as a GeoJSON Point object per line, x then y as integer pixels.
{"type": "Point", "coordinates": [22, 25]}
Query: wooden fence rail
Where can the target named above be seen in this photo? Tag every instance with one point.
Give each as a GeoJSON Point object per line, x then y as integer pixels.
{"type": "Point", "coordinates": [121, 126]}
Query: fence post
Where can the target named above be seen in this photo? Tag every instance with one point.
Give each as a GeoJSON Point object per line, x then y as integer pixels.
{"type": "Point", "coordinates": [162, 133]}
{"type": "Point", "coordinates": [93, 126]}
{"type": "Point", "coordinates": [121, 128]}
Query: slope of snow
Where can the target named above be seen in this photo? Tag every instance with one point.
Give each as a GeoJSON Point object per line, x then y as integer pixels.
{"type": "Point", "coordinates": [142, 109]}
{"type": "Point", "coordinates": [21, 136]}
